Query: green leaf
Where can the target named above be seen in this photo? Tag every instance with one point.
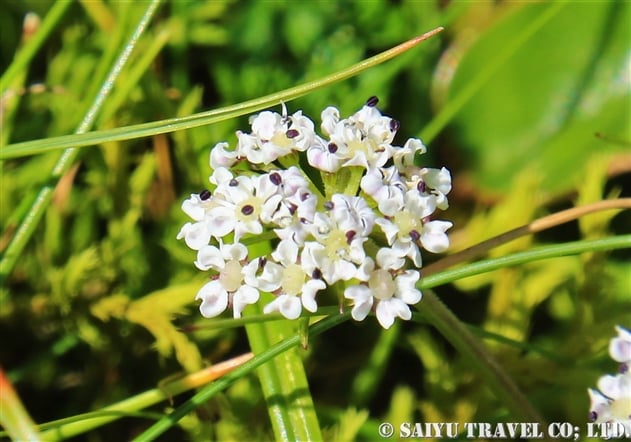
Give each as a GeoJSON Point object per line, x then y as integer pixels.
{"type": "Point", "coordinates": [542, 107]}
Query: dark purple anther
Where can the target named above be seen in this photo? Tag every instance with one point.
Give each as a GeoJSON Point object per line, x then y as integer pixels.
{"type": "Point", "coordinates": [233, 182]}
{"type": "Point", "coordinates": [593, 416]}
{"type": "Point", "coordinates": [372, 101]}
{"type": "Point", "coordinates": [414, 235]}
{"type": "Point", "coordinates": [623, 368]}
{"type": "Point", "coordinates": [262, 262]}
{"type": "Point", "coordinates": [317, 274]}
{"type": "Point", "coordinates": [332, 147]}
{"type": "Point", "coordinates": [394, 125]}
{"type": "Point", "coordinates": [247, 210]}
{"type": "Point", "coordinates": [421, 187]}
{"type": "Point", "coordinates": [350, 235]}
{"type": "Point", "coordinates": [292, 208]}
{"type": "Point", "coordinates": [292, 133]}
{"type": "Point", "coordinates": [204, 194]}
{"type": "Point", "coordinates": [275, 178]}
{"type": "Point", "coordinates": [329, 205]}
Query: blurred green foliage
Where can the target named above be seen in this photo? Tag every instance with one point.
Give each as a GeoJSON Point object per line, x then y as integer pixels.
{"type": "Point", "coordinates": [91, 313]}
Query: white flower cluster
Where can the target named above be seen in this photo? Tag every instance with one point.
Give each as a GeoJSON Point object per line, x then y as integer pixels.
{"type": "Point", "coordinates": [612, 404]}
{"type": "Point", "coordinates": [322, 213]}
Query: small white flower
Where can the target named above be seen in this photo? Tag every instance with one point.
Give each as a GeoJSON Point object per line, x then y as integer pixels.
{"type": "Point", "coordinates": [243, 204]}
{"type": "Point", "coordinates": [326, 156]}
{"type": "Point", "coordinates": [612, 404]}
{"type": "Point", "coordinates": [336, 252]}
{"type": "Point", "coordinates": [353, 213]}
{"type": "Point", "coordinates": [391, 294]}
{"type": "Point", "coordinates": [228, 287]}
{"type": "Point", "coordinates": [404, 156]}
{"type": "Point", "coordinates": [274, 135]}
{"type": "Point", "coordinates": [432, 187]}
{"type": "Point", "coordinates": [296, 289]}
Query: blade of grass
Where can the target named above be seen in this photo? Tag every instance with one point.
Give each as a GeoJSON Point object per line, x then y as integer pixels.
{"type": "Point", "coordinates": [221, 384]}
{"type": "Point", "coordinates": [471, 348]}
{"type": "Point", "coordinates": [535, 226]}
{"type": "Point", "coordinates": [69, 155]}
{"type": "Point", "coordinates": [203, 118]}
{"type": "Point", "coordinates": [535, 254]}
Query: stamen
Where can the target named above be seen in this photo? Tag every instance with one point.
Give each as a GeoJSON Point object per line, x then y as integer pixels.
{"type": "Point", "coordinates": [372, 101]}
{"type": "Point", "coordinates": [394, 125]}
{"type": "Point", "coordinates": [414, 235]}
{"type": "Point", "coordinates": [247, 210]}
{"type": "Point", "coordinates": [421, 186]}
{"type": "Point", "coordinates": [233, 182]}
{"type": "Point", "coordinates": [292, 133]}
{"type": "Point", "coordinates": [332, 147]}
{"type": "Point", "coordinates": [317, 274]}
{"type": "Point", "coordinates": [350, 235]}
{"type": "Point", "coordinates": [275, 178]}
{"type": "Point", "coordinates": [329, 205]}
{"type": "Point", "coordinates": [204, 194]}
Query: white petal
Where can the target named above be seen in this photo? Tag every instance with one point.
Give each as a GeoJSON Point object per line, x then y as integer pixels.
{"type": "Point", "coordinates": [243, 296]}
{"type": "Point", "coordinates": [389, 259]}
{"type": "Point", "coordinates": [433, 236]}
{"type": "Point", "coordinates": [620, 347]}
{"type": "Point", "coordinates": [309, 291]}
{"type": "Point", "coordinates": [365, 269]}
{"type": "Point", "coordinates": [236, 251]}
{"type": "Point", "coordinates": [195, 235]}
{"type": "Point", "coordinates": [288, 306]}
{"type": "Point", "coordinates": [389, 229]}
{"type": "Point", "coordinates": [193, 207]}
{"type": "Point", "coordinates": [615, 387]}
{"type": "Point", "coordinates": [388, 309]}
{"type": "Point", "coordinates": [220, 157]}
{"type": "Point", "coordinates": [362, 301]}
{"type": "Point", "coordinates": [214, 299]}
{"type": "Point", "coordinates": [221, 221]}
{"type": "Point", "coordinates": [286, 252]}
{"type": "Point", "coordinates": [406, 287]}
{"type": "Point", "coordinates": [330, 117]}
{"type": "Point", "coordinates": [209, 257]}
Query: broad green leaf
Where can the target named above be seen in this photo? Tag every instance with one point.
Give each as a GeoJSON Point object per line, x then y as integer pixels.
{"type": "Point", "coordinates": [544, 105]}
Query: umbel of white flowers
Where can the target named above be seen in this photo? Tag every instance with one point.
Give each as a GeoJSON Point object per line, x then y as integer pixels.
{"type": "Point", "coordinates": [321, 197]}
{"type": "Point", "coordinates": [612, 404]}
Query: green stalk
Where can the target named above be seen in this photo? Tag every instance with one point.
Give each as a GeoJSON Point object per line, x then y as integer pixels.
{"type": "Point", "coordinates": [284, 383]}
{"type": "Point", "coordinates": [69, 155]}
